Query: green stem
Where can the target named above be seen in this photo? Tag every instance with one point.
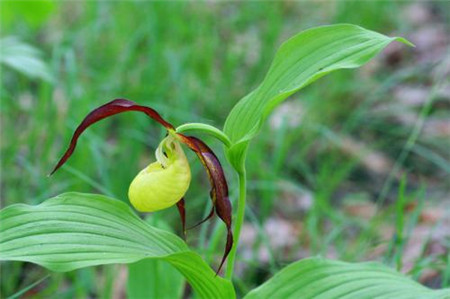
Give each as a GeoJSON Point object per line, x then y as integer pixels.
{"type": "Point", "coordinates": [238, 222]}
{"type": "Point", "coordinates": [213, 131]}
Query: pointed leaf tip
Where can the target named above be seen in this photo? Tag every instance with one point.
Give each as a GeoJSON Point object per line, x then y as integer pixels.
{"type": "Point", "coordinates": [301, 60]}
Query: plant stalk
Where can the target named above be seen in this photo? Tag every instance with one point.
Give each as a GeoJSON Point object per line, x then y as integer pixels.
{"type": "Point", "coordinates": [238, 222]}
{"type": "Point", "coordinates": [213, 131]}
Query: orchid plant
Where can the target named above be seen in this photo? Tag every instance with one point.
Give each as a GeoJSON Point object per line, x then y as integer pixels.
{"type": "Point", "coordinates": [163, 183]}
{"type": "Point", "coordinates": [76, 230]}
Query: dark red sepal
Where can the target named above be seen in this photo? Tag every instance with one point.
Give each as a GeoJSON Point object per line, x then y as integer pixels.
{"type": "Point", "coordinates": [104, 111]}
{"type": "Point", "coordinates": [219, 191]}
{"type": "Point", "coordinates": [182, 211]}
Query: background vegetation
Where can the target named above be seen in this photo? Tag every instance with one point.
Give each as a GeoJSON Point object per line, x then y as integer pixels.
{"type": "Point", "coordinates": [355, 167]}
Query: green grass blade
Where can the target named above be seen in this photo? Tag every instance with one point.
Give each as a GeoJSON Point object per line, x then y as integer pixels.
{"type": "Point", "coordinates": [321, 278]}
{"type": "Point", "coordinates": [76, 230]}
{"type": "Point", "coordinates": [23, 291]}
{"type": "Point", "coordinates": [300, 61]}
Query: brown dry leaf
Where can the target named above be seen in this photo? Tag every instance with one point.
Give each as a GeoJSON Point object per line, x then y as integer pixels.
{"type": "Point", "coordinates": [375, 162]}
{"type": "Point", "coordinates": [428, 276]}
{"type": "Point", "coordinates": [120, 283]}
{"type": "Point", "coordinates": [411, 96]}
{"type": "Point", "coordinates": [281, 234]}
{"type": "Point", "coordinates": [431, 215]}
{"type": "Point", "coordinates": [247, 240]}
{"type": "Point", "coordinates": [295, 200]}
{"type": "Point", "coordinates": [417, 14]}
{"type": "Point", "coordinates": [437, 127]}
{"type": "Point", "coordinates": [431, 42]}
{"type": "Point", "coordinates": [419, 236]}
{"type": "Point", "coordinates": [444, 91]}
{"type": "Point", "coordinates": [247, 44]}
{"type": "Point", "coordinates": [364, 210]}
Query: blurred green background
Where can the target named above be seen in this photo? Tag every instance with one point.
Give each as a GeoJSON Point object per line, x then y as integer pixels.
{"type": "Point", "coordinates": [354, 167]}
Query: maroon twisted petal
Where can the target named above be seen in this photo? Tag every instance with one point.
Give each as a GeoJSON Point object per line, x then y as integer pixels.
{"type": "Point", "coordinates": [114, 107]}
{"type": "Point", "coordinates": [219, 191]}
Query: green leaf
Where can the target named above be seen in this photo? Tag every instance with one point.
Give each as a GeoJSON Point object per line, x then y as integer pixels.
{"type": "Point", "coordinates": [300, 61]}
{"type": "Point", "coordinates": [144, 280]}
{"type": "Point", "coordinates": [24, 58]}
{"type": "Point", "coordinates": [34, 13]}
{"type": "Point", "coordinates": [76, 230]}
{"type": "Point", "coordinates": [320, 278]}
{"type": "Point", "coordinates": [144, 277]}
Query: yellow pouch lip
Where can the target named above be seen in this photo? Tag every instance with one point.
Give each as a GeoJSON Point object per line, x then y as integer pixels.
{"type": "Point", "coordinates": [162, 183]}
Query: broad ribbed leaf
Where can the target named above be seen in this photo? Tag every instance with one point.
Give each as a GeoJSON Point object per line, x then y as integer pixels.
{"type": "Point", "coordinates": [152, 278]}
{"type": "Point", "coordinates": [300, 61]}
{"type": "Point", "coordinates": [326, 279]}
{"type": "Point", "coordinates": [76, 230]}
{"type": "Point", "coordinates": [144, 277]}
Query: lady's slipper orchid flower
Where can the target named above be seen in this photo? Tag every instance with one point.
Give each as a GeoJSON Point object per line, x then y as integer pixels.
{"type": "Point", "coordinates": [163, 183]}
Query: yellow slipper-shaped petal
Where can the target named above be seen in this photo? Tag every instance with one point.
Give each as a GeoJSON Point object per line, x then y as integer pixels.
{"type": "Point", "coordinates": [164, 182]}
